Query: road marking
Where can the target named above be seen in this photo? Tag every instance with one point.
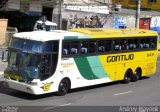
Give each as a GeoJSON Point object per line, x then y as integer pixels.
{"type": "Point", "coordinates": [123, 93]}
{"type": "Point", "coordinates": [57, 106]}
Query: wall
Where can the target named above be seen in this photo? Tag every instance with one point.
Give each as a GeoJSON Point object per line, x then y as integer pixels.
{"type": "Point", "coordinates": [106, 20]}
{"type": "Point", "coordinates": [3, 26]}
{"type": "Point", "coordinates": [120, 21]}
{"type": "Point", "coordinates": [77, 19]}
{"type": "Point", "coordinates": [132, 4]}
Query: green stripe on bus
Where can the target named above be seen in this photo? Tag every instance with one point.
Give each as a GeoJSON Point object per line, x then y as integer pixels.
{"type": "Point", "coordinates": [70, 37]}
{"type": "Point", "coordinates": [84, 68]}
{"type": "Point", "coordinates": [96, 66]}
{"type": "Point", "coordinates": [84, 37]}
{"type": "Point", "coordinates": [76, 37]}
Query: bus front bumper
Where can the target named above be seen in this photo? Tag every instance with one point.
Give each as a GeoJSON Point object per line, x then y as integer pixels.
{"type": "Point", "coordinates": [36, 90]}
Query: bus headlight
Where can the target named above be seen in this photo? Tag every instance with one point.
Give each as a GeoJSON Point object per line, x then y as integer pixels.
{"type": "Point", "coordinates": [34, 82]}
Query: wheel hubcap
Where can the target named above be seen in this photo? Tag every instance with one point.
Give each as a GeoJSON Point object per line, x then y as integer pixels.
{"type": "Point", "coordinates": [63, 87]}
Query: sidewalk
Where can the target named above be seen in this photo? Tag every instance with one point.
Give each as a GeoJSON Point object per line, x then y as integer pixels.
{"type": "Point", "coordinates": [2, 67]}
{"type": "Point", "coordinates": [1, 73]}
{"type": "Point", "coordinates": [1, 76]}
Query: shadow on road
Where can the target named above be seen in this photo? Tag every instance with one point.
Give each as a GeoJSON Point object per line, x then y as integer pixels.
{"type": "Point", "coordinates": [101, 85]}
{"type": "Point", "coordinates": [94, 86]}
{"type": "Point", "coordinates": [27, 96]}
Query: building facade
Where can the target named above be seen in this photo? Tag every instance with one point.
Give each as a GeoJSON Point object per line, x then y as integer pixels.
{"type": "Point", "coordinates": [146, 4]}
{"type": "Point", "coordinates": [85, 13]}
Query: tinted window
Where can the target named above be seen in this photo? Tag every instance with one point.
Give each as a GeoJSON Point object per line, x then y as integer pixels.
{"type": "Point", "coordinates": [84, 47]}
{"type": "Point", "coordinates": [66, 48]}
{"type": "Point", "coordinates": [97, 46]}
{"type": "Point", "coordinates": [108, 45]}
{"type": "Point", "coordinates": [74, 47]}
{"type": "Point", "coordinates": [101, 46]}
{"type": "Point", "coordinates": [92, 46]}
{"type": "Point", "coordinates": [28, 45]}
{"type": "Point", "coordinates": [70, 48]}
{"type": "Point", "coordinates": [116, 45]}
{"type": "Point", "coordinates": [51, 46]}
{"type": "Point", "coordinates": [133, 44]}
{"type": "Point", "coordinates": [145, 43]}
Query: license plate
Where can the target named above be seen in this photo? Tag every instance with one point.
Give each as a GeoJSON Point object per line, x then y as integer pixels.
{"type": "Point", "coordinates": [12, 76]}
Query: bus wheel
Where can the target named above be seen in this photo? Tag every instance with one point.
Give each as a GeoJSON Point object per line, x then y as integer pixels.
{"type": "Point", "coordinates": [137, 74]}
{"type": "Point", "coordinates": [127, 77]}
{"type": "Point", "coordinates": [64, 86]}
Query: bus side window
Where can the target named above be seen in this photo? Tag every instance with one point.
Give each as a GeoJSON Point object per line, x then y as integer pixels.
{"type": "Point", "coordinates": [148, 42]}
{"type": "Point", "coordinates": [123, 44]}
{"type": "Point", "coordinates": [116, 45]}
{"type": "Point", "coordinates": [142, 43]}
{"type": "Point", "coordinates": [66, 47]}
{"type": "Point", "coordinates": [74, 47]}
{"type": "Point", "coordinates": [145, 45]}
{"type": "Point", "coordinates": [153, 45]}
{"type": "Point", "coordinates": [84, 50]}
{"type": "Point", "coordinates": [108, 46]}
{"type": "Point", "coordinates": [133, 44]}
{"type": "Point", "coordinates": [141, 46]}
{"type": "Point", "coordinates": [101, 49]}
{"type": "Point", "coordinates": [101, 46]}
{"type": "Point", "coordinates": [74, 51]}
{"type": "Point", "coordinates": [92, 46]}
{"type": "Point", "coordinates": [84, 47]}
{"type": "Point", "coordinates": [65, 51]}
{"type": "Point", "coordinates": [153, 42]}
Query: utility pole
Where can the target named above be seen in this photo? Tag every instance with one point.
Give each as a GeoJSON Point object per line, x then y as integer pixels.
{"type": "Point", "coordinates": [57, 14]}
{"type": "Point", "coordinates": [138, 2]}
{"type": "Point", "coordinates": [60, 14]}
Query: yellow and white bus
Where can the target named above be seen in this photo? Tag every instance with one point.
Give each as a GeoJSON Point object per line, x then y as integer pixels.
{"type": "Point", "coordinates": [41, 62]}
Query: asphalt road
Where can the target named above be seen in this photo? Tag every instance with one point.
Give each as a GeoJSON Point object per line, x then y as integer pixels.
{"type": "Point", "coordinates": [145, 92]}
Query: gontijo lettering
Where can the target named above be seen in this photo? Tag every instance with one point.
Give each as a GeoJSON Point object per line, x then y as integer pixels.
{"type": "Point", "coordinates": [120, 58]}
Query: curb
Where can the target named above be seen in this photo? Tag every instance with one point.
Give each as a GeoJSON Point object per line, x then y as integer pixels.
{"type": "Point", "coordinates": [1, 47]}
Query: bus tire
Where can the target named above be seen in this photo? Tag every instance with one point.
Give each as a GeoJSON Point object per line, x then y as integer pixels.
{"type": "Point", "coordinates": [137, 74]}
{"type": "Point", "coordinates": [64, 87]}
{"type": "Point", "coordinates": [127, 76]}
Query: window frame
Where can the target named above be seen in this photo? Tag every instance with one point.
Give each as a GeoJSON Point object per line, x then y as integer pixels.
{"type": "Point", "coordinates": [97, 40]}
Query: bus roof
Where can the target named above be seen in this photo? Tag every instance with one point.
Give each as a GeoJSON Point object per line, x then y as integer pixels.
{"type": "Point", "coordinates": [109, 32]}
{"type": "Point", "coordinates": [47, 36]}
{"type": "Point", "coordinates": [84, 33]}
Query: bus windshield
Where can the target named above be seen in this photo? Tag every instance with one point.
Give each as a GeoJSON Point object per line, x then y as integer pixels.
{"type": "Point", "coordinates": [23, 64]}
{"type": "Point", "coordinates": [34, 46]}
{"type": "Point", "coordinates": [32, 59]}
